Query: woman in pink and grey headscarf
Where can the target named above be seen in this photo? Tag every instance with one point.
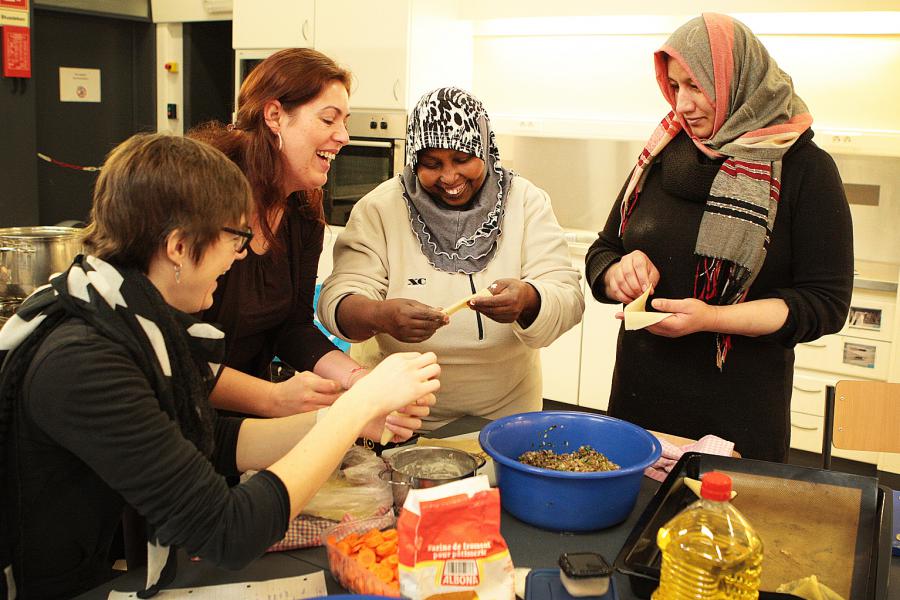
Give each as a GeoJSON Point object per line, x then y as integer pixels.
{"type": "Point", "coordinates": [738, 223]}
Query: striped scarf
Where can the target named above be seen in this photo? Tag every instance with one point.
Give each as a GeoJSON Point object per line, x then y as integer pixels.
{"type": "Point", "coordinates": [757, 119]}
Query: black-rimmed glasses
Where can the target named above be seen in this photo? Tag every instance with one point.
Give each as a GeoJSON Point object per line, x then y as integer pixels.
{"type": "Point", "coordinates": [243, 241]}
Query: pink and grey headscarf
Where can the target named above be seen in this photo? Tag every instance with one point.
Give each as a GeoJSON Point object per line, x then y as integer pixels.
{"type": "Point", "coordinates": [757, 119]}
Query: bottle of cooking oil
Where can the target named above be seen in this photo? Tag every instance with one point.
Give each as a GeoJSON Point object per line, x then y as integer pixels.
{"type": "Point", "coordinates": [709, 549]}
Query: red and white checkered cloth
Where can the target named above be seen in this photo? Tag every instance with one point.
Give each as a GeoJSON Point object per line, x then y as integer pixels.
{"type": "Point", "coordinates": [306, 531]}
{"type": "Point", "coordinates": [708, 444]}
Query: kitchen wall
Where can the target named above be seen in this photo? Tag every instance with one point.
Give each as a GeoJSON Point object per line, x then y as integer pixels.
{"type": "Point", "coordinates": [572, 93]}
{"type": "Point", "coordinates": [876, 229]}
{"type": "Point", "coordinates": [584, 177]}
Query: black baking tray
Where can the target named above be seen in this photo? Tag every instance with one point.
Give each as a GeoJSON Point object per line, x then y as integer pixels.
{"type": "Point", "coordinates": [639, 558]}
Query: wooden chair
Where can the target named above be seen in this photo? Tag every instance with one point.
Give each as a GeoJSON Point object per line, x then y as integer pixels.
{"type": "Point", "coordinates": [861, 415]}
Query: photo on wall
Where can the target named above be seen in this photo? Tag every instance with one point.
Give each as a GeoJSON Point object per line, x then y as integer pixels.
{"type": "Point", "coordinates": [865, 318]}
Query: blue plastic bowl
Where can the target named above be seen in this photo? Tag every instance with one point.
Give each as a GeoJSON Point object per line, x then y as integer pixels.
{"type": "Point", "coordinates": [561, 500]}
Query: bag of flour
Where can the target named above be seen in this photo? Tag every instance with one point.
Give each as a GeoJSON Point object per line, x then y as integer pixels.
{"type": "Point", "coordinates": [450, 545]}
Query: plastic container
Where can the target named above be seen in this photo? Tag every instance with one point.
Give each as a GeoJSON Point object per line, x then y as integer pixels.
{"type": "Point", "coordinates": [584, 573]}
{"type": "Point", "coordinates": [709, 550]}
{"type": "Point", "coordinates": [545, 584]}
{"type": "Point", "coordinates": [561, 500]}
{"type": "Point", "coordinates": [348, 571]}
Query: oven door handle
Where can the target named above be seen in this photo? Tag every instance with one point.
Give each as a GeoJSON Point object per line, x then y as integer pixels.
{"type": "Point", "coordinates": [371, 144]}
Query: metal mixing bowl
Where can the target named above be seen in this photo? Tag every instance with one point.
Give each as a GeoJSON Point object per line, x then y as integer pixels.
{"type": "Point", "coordinates": [420, 467]}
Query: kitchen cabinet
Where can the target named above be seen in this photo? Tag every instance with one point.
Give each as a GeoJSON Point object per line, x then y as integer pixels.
{"type": "Point", "coordinates": [561, 360]}
{"type": "Point", "coordinates": [577, 368]}
{"type": "Point", "coordinates": [600, 330]}
{"type": "Point", "coordinates": [274, 23]}
{"type": "Point", "coordinates": [186, 11]}
{"type": "Point", "coordinates": [372, 44]}
{"type": "Point", "coordinates": [862, 349]}
{"type": "Point", "coordinates": [397, 50]}
{"type": "Point", "coordinates": [326, 259]}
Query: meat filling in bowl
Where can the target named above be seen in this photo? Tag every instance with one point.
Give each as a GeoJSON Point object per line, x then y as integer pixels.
{"type": "Point", "coordinates": [583, 460]}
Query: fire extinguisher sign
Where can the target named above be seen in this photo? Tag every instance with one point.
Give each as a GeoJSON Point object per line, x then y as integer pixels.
{"type": "Point", "coordinates": [16, 51]}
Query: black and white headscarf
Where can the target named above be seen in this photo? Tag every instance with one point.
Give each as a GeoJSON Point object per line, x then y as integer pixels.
{"type": "Point", "coordinates": [459, 241]}
{"type": "Point", "coordinates": [180, 356]}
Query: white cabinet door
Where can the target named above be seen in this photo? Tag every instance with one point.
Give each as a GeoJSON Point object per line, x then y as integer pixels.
{"type": "Point", "coordinates": [561, 360]}
{"type": "Point", "coordinates": [326, 259]}
{"type": "Point", "coordinates": [273, 24]}
{"type": "Point", "coordinates": [600, 328]}
{"type": "Point", "coordinates": [370, 39]}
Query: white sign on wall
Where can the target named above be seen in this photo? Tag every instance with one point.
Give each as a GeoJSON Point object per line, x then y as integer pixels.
{"type": "Point", "coordinates": [79, 85]}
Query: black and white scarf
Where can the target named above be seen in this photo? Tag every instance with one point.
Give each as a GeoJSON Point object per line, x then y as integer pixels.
{"type": "Point", "coordinates": [180, 356]}
{"type": "Point", "coordinates": [461, 241]}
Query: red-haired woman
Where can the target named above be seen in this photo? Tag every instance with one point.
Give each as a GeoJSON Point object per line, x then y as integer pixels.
{"type": "Point", "coordinates": [291, 122]}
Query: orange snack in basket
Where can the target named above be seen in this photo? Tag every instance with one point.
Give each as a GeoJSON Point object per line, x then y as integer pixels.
{"type": "Point", "coordinates": [386, 548]}
{"type": "Point", "coordinates": [366, 556]}
{"type": "Point", "coordinates": [383, 572]}
{"type": "Point", "coordinates": [370, 563]}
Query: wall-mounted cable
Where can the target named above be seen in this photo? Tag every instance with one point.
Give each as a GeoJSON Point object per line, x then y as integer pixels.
{"type": "Point", "coordinates": [66, 165]}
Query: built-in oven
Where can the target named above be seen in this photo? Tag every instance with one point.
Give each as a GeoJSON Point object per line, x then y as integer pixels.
{"type": "Point", "coordinates": [376, 153]}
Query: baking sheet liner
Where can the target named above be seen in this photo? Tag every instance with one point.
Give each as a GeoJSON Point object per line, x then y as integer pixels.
{"type": "Point", "coordinates": [811, 521]}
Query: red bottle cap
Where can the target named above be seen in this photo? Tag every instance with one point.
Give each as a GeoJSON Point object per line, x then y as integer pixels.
{"type": "Point", "coordinates": [716, 486]}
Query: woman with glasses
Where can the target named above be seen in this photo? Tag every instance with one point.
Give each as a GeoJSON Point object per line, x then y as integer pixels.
{"type": "Point", "coordinates": [291, 122]}
{"type": "Point", "coordinates": [105, 382]}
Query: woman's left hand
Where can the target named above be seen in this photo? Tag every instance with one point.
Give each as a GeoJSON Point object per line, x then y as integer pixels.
{"type": "Point", "coordinates": [512, 300]}
{"type": "Point", "coordinates": [689, 315]}
{"type": "Point", "coordinates": [402, 423]}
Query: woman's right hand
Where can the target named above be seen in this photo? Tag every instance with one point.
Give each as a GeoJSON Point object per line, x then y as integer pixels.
{"type": "Point", "coordinates": [408, 320]}
{"type": "Point", "coordinates": [630, 277]}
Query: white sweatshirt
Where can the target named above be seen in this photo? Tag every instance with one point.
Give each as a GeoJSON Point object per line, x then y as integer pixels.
{"type": "Point", "coordinates": [491, 370]}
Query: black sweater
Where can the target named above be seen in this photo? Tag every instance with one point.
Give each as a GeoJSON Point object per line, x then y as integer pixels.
{"type": "Point", "coordinates": [264, 303]}
{"type": "Point", "coordinates": [89, 436]}
{"type": "Point", "coordinates": [673, 385]}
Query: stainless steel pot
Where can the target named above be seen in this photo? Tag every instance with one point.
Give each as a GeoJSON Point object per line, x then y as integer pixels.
{"type": "Point", "coordinates": [28, 256]}
{"type": "Point", "coordinates": [419, 467]}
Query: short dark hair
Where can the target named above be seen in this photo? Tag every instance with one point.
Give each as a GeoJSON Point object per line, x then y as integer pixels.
{"type": "Point", "coordinates": [152, 184]}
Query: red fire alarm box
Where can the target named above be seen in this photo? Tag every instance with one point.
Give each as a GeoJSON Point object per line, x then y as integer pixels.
{"type": "Point", "coordinates": [16, 51]}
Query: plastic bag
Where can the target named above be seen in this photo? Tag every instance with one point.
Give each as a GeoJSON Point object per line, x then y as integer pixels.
{"type": "Point", "coordinates": [355, 489]}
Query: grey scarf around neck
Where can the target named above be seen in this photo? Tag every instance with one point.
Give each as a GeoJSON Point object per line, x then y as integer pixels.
{"type": "Point", "coordinates": [455, 240]}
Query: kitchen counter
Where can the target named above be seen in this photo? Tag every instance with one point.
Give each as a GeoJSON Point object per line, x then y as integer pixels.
{"type": "Point", "coordinates": [529, 547]}
{"type": "Point", "coordinates": [877, 276]}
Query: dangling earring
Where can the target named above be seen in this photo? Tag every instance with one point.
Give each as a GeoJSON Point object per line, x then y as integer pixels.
{"type": "Point", "coordinates": [177, 273]}
{"type": "Point", "coordinates": [280, 141]}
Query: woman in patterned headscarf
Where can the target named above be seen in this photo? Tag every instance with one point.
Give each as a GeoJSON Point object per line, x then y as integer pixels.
{"type": "Point", "coordinates": [453, 223]}
{"type": "Point", "coordinates": [105, 378]}
{"type": "Point", "coordinates": [738, 223]}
